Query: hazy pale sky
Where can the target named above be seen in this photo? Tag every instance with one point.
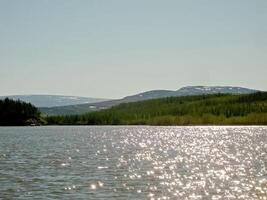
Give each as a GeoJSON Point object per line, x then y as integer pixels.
{"type": "Point", "coordinates": [113, 48]}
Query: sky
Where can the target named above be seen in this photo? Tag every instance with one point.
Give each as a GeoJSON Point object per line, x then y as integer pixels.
{"type": "Point", "coordinates": [114, 48]}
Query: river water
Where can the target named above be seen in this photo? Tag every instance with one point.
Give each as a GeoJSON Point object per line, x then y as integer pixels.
{"type": "Point", "coordinates": [133, 162]}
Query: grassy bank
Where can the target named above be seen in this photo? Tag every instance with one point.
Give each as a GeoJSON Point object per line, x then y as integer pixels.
{"type": "Point", "coordinates": [218, 109]}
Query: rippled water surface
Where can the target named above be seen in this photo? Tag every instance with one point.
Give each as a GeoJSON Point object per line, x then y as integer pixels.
{"type": "Point", "coordinates": [133, 162]}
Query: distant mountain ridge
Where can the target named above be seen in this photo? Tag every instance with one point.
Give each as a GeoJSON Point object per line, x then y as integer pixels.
{"type": "Point", "coordinates": [53, 100]}
{"type": "Point", "coordinates": [189, 91]}
{"type": "Point", "coordinates": [153, 94]}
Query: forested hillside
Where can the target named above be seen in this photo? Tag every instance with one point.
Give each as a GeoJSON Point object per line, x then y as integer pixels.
{"type": "Point", "coordinates": [216, 109]}
{"type": "Point", "coordinates": [147, 95]}
{"type": "Point", "coordinates": [18, 113]}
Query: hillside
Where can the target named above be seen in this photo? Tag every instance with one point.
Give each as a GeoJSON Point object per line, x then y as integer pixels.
{"type": "Point", "coordinates": [219, 109]}
{"type": "Point", "coordinates": [153, 94]}
{"type": "Point", "coordinates": [53, 100]}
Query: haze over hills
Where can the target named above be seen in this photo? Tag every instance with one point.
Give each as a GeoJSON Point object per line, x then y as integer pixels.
{"type": "Point", "coordinates": [153, 94]}
{"type": "Point", "coordinates": [53, 100]}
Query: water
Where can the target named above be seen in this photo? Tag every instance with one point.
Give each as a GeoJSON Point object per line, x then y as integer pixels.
{"type": "Point", "coordinates": [133, 162]}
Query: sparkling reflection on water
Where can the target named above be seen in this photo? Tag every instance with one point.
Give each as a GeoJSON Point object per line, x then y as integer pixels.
{"type": "Point", "coordinates": [133, 162]}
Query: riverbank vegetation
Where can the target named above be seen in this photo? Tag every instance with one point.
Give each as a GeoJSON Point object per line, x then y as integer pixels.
{"type": "Point", "coordinates": [217, 109]}
{"type": "Point", "coordinates": [18, 113]}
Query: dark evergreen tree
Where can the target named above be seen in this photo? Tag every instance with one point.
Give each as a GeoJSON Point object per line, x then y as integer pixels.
{"type": "Point", "coordinates": [17, 113]}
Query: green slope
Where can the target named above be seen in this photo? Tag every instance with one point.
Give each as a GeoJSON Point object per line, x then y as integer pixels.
{"type": "Point", "coordinates": [189, 110]}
